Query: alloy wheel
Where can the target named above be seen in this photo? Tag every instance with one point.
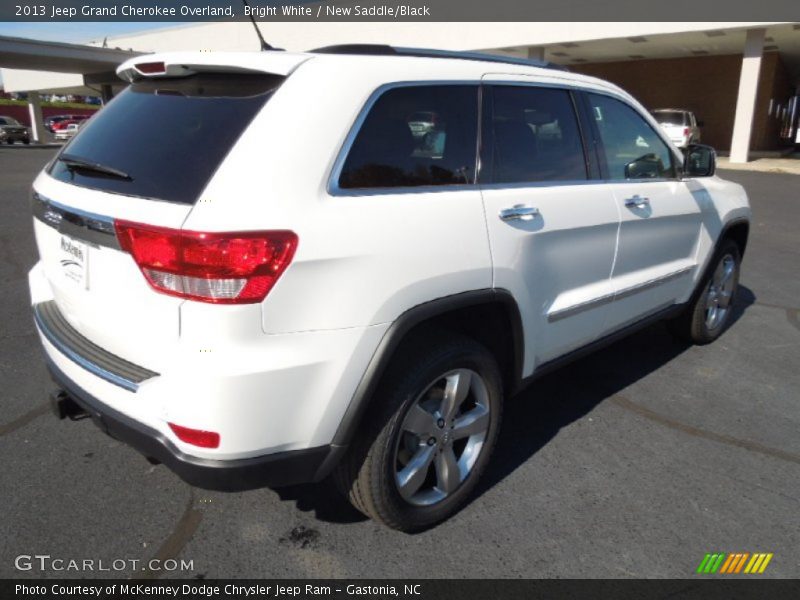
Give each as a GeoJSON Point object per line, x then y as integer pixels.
{"type": "Point", "coordinates": [441, 437]}
{"type": "Point", "coordinates": [720, 292]}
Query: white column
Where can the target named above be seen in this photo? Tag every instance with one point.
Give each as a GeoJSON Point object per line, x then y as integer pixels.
{"type": "Point", "coordinates": [536, 52]}
{"type": "Point", "coordinates": [746, 101]}
{"type": "Point", "coordinates": [37, 120]}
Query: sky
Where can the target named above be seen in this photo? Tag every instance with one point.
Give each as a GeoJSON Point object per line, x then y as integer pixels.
{"type": "Point", "coordinates": [76, 32]}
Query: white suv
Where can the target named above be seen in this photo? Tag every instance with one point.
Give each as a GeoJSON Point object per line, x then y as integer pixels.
{"type": "Point", "coordinates": [259, 269]}
{"type": "Point", "coordinates": [681, 126]}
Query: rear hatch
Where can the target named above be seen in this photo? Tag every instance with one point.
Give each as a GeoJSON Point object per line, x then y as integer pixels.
{"type": "Point", "coordinates": [144, 158]}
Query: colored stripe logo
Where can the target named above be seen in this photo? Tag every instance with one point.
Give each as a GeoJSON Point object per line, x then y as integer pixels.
{"type": "Point", "coordinates": [734, 563]}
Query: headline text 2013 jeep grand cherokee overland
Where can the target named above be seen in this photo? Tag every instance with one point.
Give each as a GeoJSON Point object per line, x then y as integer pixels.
{"type": "Point", "coordinates": [267, 268]}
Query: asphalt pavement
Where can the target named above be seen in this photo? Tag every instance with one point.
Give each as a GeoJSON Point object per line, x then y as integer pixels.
{"type": "Point", "coordinates": [633, 462]}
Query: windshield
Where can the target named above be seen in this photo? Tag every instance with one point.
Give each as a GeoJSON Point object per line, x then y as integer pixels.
{"type": "Point", "coordinates": [168, 135]}
{"type": "Point", "coordinates": [670, 117]}
{"type": "Point", "coordinates": [8, 121]}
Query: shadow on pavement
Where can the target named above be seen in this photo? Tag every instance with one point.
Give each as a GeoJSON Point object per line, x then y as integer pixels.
{"type": "Point", "coordinates": [535, 416]}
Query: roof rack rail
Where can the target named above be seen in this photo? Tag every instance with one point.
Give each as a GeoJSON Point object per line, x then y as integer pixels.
{"type": "Point", "coordinates": [386, 50]}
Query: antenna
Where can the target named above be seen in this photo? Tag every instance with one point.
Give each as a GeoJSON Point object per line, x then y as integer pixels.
{"type": "Point", "coordinates": [264, 45]}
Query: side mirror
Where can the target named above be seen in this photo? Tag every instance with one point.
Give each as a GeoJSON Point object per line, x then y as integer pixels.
{"type": "Point", "coordinates": [648, 166]}
{"type": "Point", "coordinates": [699, 161]}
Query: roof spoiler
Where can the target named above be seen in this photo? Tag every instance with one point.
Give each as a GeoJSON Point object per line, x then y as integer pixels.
{"type": "Point", "coordinates": [184, 64]}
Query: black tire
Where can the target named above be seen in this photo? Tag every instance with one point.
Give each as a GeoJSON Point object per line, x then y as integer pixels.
{"type": "Point", "coordinates": [370, 472]}
{"type": "Point", "coordinates": [26, 141]}
{"type": "Point", "coordinates": [695, 324]}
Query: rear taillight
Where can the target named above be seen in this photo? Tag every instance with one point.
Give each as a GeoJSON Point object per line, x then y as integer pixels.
{"type": "Point", "coordinates": [196, 437]}
{"type": "Point", "coordinates": [685, 131]}
{"type": "Point", "coordinates": [222, 268]}
{"type": "Point", "coordinates": [151, 68]}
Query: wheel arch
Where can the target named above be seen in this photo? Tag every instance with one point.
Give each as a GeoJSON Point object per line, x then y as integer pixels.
{"type": "Point", "coordinates": [491, 316]}
{"type": "Point", "coordinates": [737, 230]}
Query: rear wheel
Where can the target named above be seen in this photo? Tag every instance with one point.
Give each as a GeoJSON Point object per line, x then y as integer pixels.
{"type": "Point", "coordinates": [428, 437]}
{"type": "Point", "coordinates": [709, 313]}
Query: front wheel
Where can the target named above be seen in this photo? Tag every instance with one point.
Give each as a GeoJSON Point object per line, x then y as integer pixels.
{"type": "Point", "coordinates": [429, 435]}
{"type": "Point", "coordinates": [709, 312]}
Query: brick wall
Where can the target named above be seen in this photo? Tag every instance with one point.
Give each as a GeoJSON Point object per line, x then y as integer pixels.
{"type": "Point", "coordinates": [706, 85]}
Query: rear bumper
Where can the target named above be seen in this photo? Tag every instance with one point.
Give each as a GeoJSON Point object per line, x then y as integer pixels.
{"type": "Point", "coordinates": [263, 394]}
{"type": "Point", "coordinates": [272, 470]}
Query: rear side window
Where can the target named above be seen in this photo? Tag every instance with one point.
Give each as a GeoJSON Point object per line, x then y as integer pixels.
{"type": "Point", "coordinates": [536, 137]}
{"type": "Point", "coordinates": [632, 148]}
{"type": "Point", "coordinates": [416, 136]}
{"type": "Point", "coordinates": [167, 135]}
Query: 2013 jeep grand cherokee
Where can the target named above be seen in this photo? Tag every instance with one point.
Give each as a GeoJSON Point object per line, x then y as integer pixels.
{"type": "Point", "coordinates": [266, 268]}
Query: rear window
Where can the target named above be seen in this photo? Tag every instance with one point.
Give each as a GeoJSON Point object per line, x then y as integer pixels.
{"type": "Point", "coordinates": [536, 136]}
{"type": "Point", "coordinates": [167, 135]}
{"type": "Point", "coordinates": [670, 117]}
{"type": "Point", "coordinates": [416, 136]}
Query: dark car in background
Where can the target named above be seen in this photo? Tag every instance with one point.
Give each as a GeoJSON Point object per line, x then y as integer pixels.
{"type": "Point", "coordinates": [12, 131]}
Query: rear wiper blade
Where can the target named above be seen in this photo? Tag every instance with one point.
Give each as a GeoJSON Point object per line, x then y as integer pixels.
{"type": "Point", "coordinates": [75, 162]}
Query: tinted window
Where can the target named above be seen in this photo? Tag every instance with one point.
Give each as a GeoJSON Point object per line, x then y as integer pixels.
{"type": "Point", "coordinates": [168, 135]}
{"type": "Point", "coordinates": [632, 148]}
{"type": "Point", "coordinates": [413, 136]}
{"type": "Point", "coordinates": [670, 117]}
{"type": "Point", "coordinates": [536, 136]}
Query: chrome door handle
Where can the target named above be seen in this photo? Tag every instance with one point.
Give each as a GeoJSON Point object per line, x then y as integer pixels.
{"type": "Point", "coordinates": [519, 212]}
{"type": "Point", "coordinates": [637, 201]}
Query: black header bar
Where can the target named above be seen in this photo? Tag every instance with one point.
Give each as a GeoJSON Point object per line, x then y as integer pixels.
{"type": "Point", "coordinates": [400, 10]}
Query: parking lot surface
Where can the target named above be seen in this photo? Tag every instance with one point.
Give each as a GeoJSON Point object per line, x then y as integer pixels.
{"type": "Point", "coordinates": [633, 462]}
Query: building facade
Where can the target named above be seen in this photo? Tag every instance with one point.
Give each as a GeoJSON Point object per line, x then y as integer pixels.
{"type": "Point", "coordinates": [738, 78]}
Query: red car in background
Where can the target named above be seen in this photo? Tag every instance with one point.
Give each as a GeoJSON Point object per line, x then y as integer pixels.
{"type": "Point", "coordinates": [62, 124]}
{"type": "Point", "coordinates": [57, 122]}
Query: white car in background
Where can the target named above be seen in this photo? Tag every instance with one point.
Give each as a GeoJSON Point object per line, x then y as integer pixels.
{"type": "Point", "coordinates": [254, 287]}
{"type": "Point", "coordinates": [681, 126]}
{"type": "Point", "coordinates": [67, 133]}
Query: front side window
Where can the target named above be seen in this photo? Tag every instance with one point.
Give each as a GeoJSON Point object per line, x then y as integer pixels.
{"type": "Point", "coordinates": [633, 150]}
{"type": "Point", "coordinates": [536, 137]}
{"type": "Point", "coordinates": [416, 136]}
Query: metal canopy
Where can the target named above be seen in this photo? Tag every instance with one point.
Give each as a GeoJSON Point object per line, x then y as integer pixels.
{"type": "Point", "coordinates": [21, 53]}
